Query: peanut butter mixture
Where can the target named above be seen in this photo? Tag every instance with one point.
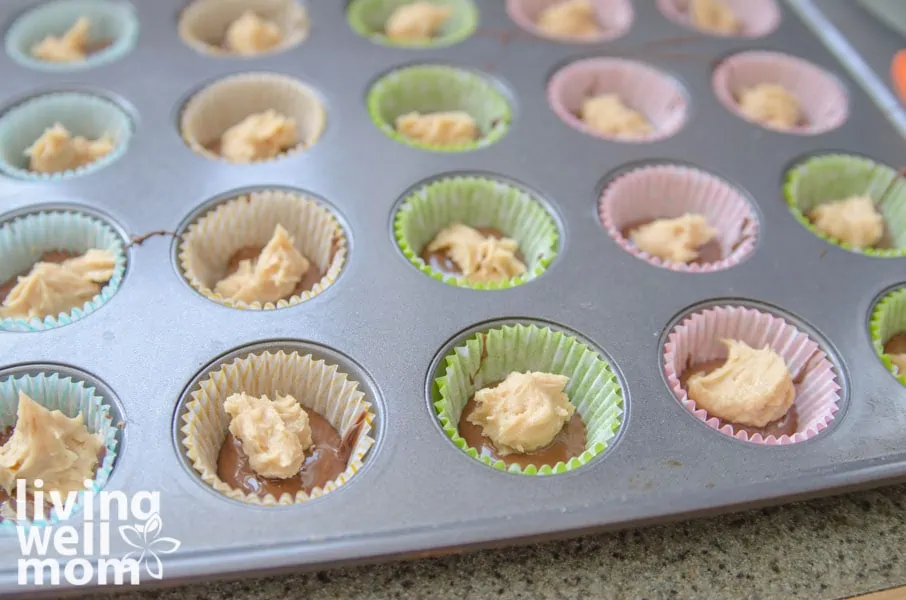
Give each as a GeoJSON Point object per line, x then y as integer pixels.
{"type": "Point", "coordinates": [854, 221]}
{"type": "Point", "coordinates": [57, 150]}
{"type": "Point", "coordinates": [251, 34]}
{"type": "Point", "coordinates": [480, 258]}
{"type": "Point", "coordinates": [416, 21]}
{"type": "Point", "coordinates": [439, 129]}
{"type": "Point", "coordinates": [608, 115]}
{"type": "Point", "coordinates": [771, 104]}
{"type": "Point", "coordinates": [674, 240]}
{"type": "Point", "coordinates": [570, 18]}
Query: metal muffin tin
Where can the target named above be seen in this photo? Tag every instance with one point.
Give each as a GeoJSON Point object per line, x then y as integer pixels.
{"type": "Point", "coordinates": [386, 323]}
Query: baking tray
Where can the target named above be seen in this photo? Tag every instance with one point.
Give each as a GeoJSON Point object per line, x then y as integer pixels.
{"type": "Point", "coordinates": [418, 495]}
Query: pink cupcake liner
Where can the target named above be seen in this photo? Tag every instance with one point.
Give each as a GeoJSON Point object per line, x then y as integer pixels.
{"type": "Point", "coordinates": [821, 97]}
{"type": "Point", "coordinates": [613, 16]}
{"type": "Point", "coordinates": [757, 18]}
{"type": "Point", "coordinates": [669, 191]}
{"type": "Point", "coordinates": [697, 339]}
{"type": "Point", "coordinates": [641, 87]}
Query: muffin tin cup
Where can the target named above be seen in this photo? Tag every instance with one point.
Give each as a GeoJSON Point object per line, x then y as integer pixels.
{"type": "Point", "coordinates": [23, 241]}
{"type": "Point", "coordinates": [888, 319]}
{"type": "Point", "coordinates": [81, 114]}
{"type": "Point", "coordinates": [697, 338]}
{"type": "Point", "coordinates": [757, 18]}
{"type": "Point", "coordinates": [368, 18]}
{"type": "Point", "coordinates": [204, 23]}
{"type": "Point", "coordinates": [114, 21]}
{"type": "Point", "coordinates": [317, 385]}
{"type": "Point", "coordinates": [477, 202]}
{"type": "Point", "coordinates": [72, 398]}
{"type": "Point", "coordinates": [669, 191]}
{"type": "Point", "coordinates": [437, 88]}
{"type": "Point", "coordinates": [488, 357]}
{"type": "Point", "coordinates": [650, 91]}
{"type": "Point", "coordinates": [822, 100]}
{"type": "Point", "coordinates": [614, 17]}
{"type": "Point", "coordinates": [226, 102]}
{"type": "Point", "coordinates": [250, 220]}
{"type": "Point", "coordinates": [833, 177]}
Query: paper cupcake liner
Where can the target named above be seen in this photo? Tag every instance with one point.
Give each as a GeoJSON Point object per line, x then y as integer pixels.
{"type": "Point", "coordinates": [249, 220]}
{"type": "Point", "coordinates": [224, 103]}
{"type": "Point", "coordinates": [833, 177]}
{"type": "Point", "coordinates": [641, 87]}
{"type": "Point", "coordinates": [72, 398]}
{"type": "Point", "coordinates": [668, 191]}
{"type": "Point", "coordinates": [23, 241]}
{"type": "Point", "coordinates": [203, 24]}
{"type": "Point", "coordinates": [757, 18]}
{"type": "Point", "coordinates": [81, 114]}
{"type": "Point", "coordinates": [488, 357]}
{"type": "Point", "coordinates": [888, 319]}
{"type": "Point", "coordinates": [614, 17]}
{"type": "Point", "coordinates": [821, 98]}
{"type": "Point", "coordinates": [697, 339]}
{"type": "Point", "coordinates": [115, 21]}
{"type": "Point", "coordinates": [477, 202]}
{"type": "Point", "coordinates": [435, 88]}
{"type": "Point", "coordinates": [368, 18]}
{"type": "Point", "coordinates": [317, 385]}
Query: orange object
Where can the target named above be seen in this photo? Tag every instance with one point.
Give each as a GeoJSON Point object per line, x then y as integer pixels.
{"type": "Point", "coordinates": [898, 74]}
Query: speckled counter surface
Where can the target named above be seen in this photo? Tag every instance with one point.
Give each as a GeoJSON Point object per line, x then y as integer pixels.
{"type": "Point", "coordinates": [829, 548]}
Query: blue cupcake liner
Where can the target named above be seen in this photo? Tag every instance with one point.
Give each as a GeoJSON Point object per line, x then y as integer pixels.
{"type": "Point", "coordinates": [82, 114]}
{"type": "Point", "coordinates": [25, 239]}
{"type": "Point", "coordinates": [110, 20]}
{"type": "Point", "coordinates": [72, 398]}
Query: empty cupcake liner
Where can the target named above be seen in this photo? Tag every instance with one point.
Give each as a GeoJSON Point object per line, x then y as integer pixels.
{"type": "Point", "coordinates": [696, 339]}
{"type": "Point", "coordinates": [650, 91]}
{"type": "Point", "coordinates": [72, 398]}
{"type": "Point", "coordinates": [204, 23]}
{"type": "Point", "coordinates": [888, 319]}
{"type": "Point", "coordinates": [368, 18]}
{"type": "Point", "coordinates": [757, 18]}
{"type": "Point", "coordinates": [435, 88]}
{"type": "Point", "coordinates": [250, 220]}
{"type": "Point", "coordinates": [821, 98]}
{"type": "Point", "coordinates": [614, 17]}
{"type": "Point", "coordinates": [23, 241]}
{"type": "Point", "coordinates": [81, 114]}
{"type": "Point", "coordinates": [226, 102]}
{"type": "Point", "coordinates": [317, 385]}
{"type": "Point", "coordinates": [110, 20]}
{"type": "Point", "coordinates": [488, 357]}
{"type": "Point", "coordinates": [477, 202]}
{"type": "Point", "coordinates": [668, 191]}
{"type": "Point", "coordinates": [833, 177]}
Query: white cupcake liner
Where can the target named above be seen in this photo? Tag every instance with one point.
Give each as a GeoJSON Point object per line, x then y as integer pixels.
{"type": "Point", "coordinates": [317, 385]}
{"type": "Point", "coordinates": [110, 20]}
{"type": "Point", "coordinates": [614, 17]}
{"type": "Point", "coordinates": [226, 102]}
{"type": "Point", "coordinates": [249, 220]}
{"type": "Point", "coordinates": [696, 339]}
{"type": "Point", "coordinates": [757, 18]}
{"type": "Point", "coordinates": [669, 191]}
{"type": "Point", "coordinates": [641, 87]}
{"type": "Point", "coordinates": [72, 398]}
{"type": "Point", "coordinates": [81, 114]}
{"type": "Point", "coordinates": [203, 24]}
{"type": "Point", "coordinates": [23, 240]}
{"type": "Point", "coordinates": [821, 97]}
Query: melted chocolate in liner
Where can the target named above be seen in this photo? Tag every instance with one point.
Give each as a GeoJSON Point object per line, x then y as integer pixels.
{"type": "Point", "coordinates": [95, 46]}
{"type": "Point", "coordinates": [569, 443]}
{"type": "Point", "coordinates": [309, 278]}
{"type": "Point", "coordinates": [324, 461]}
{"type": "Point", "coordinates": [709, 253]}
{"type": "Point", "coordinates": [51, 256]}
{"type": "Point", "coordinates": [896, 344]}
{"type": "Point", "coordinates": [441, 262]}
{"type": "Point", "coordinates": [788, 424]}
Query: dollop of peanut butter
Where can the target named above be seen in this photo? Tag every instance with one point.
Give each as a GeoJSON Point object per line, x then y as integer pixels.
{"type": "Point", "coordinates": [251, 34]}
{"type": "Point", "coordinates": [416, 21]}
{"type": "Point", "coordinates": [481, 259]}
{"type": "Point", "coordinates": [440, 129]}
{"type": "Point", "coordinates": [713, 15]}
{"type": "Point", "coordinates": [854, 221]}
{"type": "Point", "coordinates": [608, 115]}
{"type": "Point", "coordinates": [570, 18]}
{"type": "Point", "coordinates": [674, 240]}
{"type": "Point", "coordinates": [259, 136]}
{"type": "Point", "coordinates": [68, 48]}
{"type": "Point", "coordinates": [771, 104]}
{"type": "Point", "coordinates": [56, 150]}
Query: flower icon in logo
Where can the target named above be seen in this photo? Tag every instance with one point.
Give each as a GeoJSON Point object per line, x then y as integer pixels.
{"type": "Point", "coordinates": [145, 538]}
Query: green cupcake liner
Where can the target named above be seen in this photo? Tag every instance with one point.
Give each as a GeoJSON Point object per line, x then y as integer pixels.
{"type": "Point", "coordinates": [488, 357]}
{"type": "Point", "coordinates": [477, 202]}
{"type": "Point", "coordinates": [368, 18]}
{"type": "Point", "coordinates": [888, 319]}
{"type": "Point", "coordinates": [835, 177]}
{"type": "Point", "coordinates": [435, 88]}
{"type": "Point", "coordinates": [72, 398]}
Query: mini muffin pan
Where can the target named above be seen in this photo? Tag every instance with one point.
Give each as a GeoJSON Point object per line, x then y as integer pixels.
{"type": "Point", "coordinates": [389, 326]}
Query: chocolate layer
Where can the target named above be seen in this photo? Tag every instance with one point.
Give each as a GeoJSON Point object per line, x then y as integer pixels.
{"type": "Point", "coordinates": [308, 281]}
{"type": "Point", "coordinates": [439, 261]}
{"type": "Point", "coordinates": [896, 344]}
{"type": "Point", "coordinates": [51, 256]}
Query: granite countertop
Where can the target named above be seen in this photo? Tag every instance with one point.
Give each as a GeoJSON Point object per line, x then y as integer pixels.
{"type": "Point", "coordinates": [830, 548]}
